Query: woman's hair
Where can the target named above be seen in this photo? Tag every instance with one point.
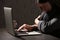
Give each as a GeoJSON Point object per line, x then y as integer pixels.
{"type": "Point", "coordinates": [50, 1]}
{"type": "Point", "coordinates": [42, 1]}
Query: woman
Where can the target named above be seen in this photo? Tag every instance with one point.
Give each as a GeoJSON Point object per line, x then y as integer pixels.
{"type": "Point", "coordinates": [52, 10]}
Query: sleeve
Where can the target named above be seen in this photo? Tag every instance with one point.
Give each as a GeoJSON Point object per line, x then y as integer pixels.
{"type": "Point", "coordinates": [43, 22]}
{"type": "Point", "coordinates": [44, 16]}
{"type": "Point", "coordinates": [41, 26]}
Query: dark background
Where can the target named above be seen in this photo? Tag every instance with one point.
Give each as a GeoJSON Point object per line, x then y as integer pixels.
{"type": "Point", "coordinates": [2, 22]}
{"type": "Point", "coordinates": [23, 11]}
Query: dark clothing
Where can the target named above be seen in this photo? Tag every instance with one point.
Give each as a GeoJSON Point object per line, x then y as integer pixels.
{"type": "Point", "coordinates": [54, 28]}
{"type": "Point", "coordinates": [54, 13]}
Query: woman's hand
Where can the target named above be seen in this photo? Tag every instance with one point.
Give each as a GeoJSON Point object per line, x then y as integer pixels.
{"type": "Point", "coordinates": [25, 27]}
{"type": "Point", "coordinates": [36, 20]}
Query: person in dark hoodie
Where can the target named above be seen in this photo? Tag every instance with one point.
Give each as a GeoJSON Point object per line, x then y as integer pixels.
{"type": "Point", "coordinates": [52, 25]}
{"type": "Point", "coordinates": [53, 11]}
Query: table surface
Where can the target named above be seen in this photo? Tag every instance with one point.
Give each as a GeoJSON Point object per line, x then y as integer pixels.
{"type": "Point", "coordinates": [6, 36]}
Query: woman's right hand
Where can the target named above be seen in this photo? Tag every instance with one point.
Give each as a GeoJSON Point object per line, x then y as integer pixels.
{"type": "Point", "coordinates": [25, 27]}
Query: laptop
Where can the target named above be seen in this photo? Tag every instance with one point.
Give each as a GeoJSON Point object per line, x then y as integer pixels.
{"type": "Point", "coordinates": [9, 24]}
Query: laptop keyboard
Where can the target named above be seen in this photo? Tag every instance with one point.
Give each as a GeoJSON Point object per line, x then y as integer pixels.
{"type": "Point", "coordinates": [27, 33]}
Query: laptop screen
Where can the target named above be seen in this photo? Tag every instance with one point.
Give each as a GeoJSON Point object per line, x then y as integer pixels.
{"type": "Point", "coordinates": [8, 19]}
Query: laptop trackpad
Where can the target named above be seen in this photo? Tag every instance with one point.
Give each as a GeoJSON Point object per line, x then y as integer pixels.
{"type": "Point", "coordinates": [33, 33]}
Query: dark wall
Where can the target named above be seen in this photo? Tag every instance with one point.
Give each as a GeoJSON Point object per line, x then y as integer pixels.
{"type": "Point", "coordinates": [24, 11]}
{"type": "Point", "coordinates": [2, 22]}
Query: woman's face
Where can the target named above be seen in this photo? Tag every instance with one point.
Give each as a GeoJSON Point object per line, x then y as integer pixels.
{"type": "Point", "coordinates": [45, 6]}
